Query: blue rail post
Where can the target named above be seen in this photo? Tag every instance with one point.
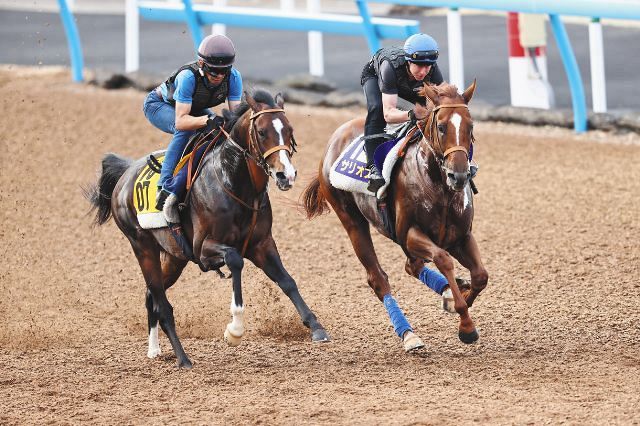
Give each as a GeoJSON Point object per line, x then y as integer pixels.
{"type": "Point", "coordinates": [193, 23]}
{"type": "Point", "coordinates": [369, 29]}
{"type": "Point", "coordinates": [73, 40]}
{"type": "Point", "coordinates": [573, 74]}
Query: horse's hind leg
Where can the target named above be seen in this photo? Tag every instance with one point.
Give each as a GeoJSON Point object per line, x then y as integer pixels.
{"type": "Point", "coordinates": [266, 257]}
{"type": "Point", "coordinates": [420, 246]}
{"type": "Point", "coordinates": [468, 254]}
{"type": "Point", "coordinates": [171, 269]}
{"type": "Point", "coordinates": [148, 255]}
{"type": "Point", "coordinates": [359, 233]}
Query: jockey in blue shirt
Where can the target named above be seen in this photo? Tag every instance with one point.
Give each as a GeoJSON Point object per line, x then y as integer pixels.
{"type": "Point", "coordinates": [180, 106]}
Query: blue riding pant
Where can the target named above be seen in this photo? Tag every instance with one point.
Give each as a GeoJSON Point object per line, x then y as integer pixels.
{"type": "Point", "coordinates": [163, 115]}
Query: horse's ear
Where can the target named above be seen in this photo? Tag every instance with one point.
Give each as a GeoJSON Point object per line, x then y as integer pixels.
{"type": "Point", "coordinates": [428, 92]}
{"type": "Point", "coordinates": [468, 93]}
{"type": "Point", "coordinates": [250, 101]}
{"type": "Point", "coordinates": [280, 100]}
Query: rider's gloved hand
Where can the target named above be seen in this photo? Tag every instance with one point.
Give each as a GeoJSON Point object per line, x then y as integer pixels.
{"type": "Point", "coordinates": [213, 122]}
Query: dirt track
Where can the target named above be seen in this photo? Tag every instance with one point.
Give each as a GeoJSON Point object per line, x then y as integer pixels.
{"type": "Point", "coordinates": [559, 323]}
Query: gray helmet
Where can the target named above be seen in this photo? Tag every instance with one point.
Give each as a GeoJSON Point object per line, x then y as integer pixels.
{"type": "Point", "coordinates": [217, 51]}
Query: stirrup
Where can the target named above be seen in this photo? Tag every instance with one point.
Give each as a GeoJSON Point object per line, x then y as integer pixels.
{"type": "Point", "coordinates": [178, 235]}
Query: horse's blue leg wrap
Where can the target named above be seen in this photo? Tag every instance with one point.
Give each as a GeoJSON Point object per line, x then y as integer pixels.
{"type": "Point", "coordinates": [433, 279]}
{"type": "Point", "coordinates": [399, 322]}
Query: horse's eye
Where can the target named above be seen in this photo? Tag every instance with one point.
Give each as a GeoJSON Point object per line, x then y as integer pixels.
{"type": "Point", "coordinates": [262, 133]}
{"type": "Point", "coordinates": [442, 128]}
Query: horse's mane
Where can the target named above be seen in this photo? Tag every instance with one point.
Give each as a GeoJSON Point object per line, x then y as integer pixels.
{"type": "Point", "coordinates": [443, 90]}
{"type": "Point", "coordinates": [259, 95]}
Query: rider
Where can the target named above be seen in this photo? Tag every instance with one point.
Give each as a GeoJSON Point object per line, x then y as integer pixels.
{"type": "Point", "coordinates": [180, 106]}
{"type": "Point", "coordinates": [396, 72]}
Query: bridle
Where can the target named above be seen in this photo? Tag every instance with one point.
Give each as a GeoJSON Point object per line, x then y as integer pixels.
{"type": "Point", "coordinates": [432, 123]}
{"type": "Point", "coordinates": [254, 147]}
{"type": "Point", "coordinates": [260, 158]}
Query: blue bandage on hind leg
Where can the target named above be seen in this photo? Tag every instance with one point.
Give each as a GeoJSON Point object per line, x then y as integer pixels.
{"type": "Point", "coordinates": [433, 279]}
{"type": "Point", "coordinates": [399, 322]}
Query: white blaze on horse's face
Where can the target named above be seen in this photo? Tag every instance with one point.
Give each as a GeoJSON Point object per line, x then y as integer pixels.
{"type": "Point", "coordinates": [456, 164]}
{"type": "Point", "coordinates": [456, 120]}
{"type": "Point", "coordinates": [289, 170]}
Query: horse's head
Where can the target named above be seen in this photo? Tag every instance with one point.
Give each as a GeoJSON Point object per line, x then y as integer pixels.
{"type": "Point", "coordinates": [449, 131]}
{"type": "Point", "coordinates": [271, 139]}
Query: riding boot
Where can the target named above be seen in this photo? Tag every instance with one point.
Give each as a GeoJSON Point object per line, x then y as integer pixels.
{"type": "Point", "coordinates": [161, 198]}
{"type": "Point", "coordinates": [376, 181]}
{"type": "Point", "coordinates": [172, 216]}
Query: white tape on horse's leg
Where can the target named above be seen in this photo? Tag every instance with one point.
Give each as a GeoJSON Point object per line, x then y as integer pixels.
{"type": "Point", "coordinates": [235, 329]}
{"type": "Point", "coordinates": [154, 343]}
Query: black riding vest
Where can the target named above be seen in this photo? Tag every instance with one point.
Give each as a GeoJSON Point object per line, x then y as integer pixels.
{"type": "Point", "coordinates": [204, 96]}
{"type": "Point", "coordinates": [406, 86]}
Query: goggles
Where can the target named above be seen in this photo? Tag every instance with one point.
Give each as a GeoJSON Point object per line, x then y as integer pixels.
{"type": "Point", "coordinates": [423, 56]}
{"type": "Point", "coordinates": [209, 69]}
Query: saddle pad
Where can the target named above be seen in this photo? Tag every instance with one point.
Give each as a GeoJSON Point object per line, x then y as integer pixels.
{"type": "Point", "coordinates": [144, 198]}
{"type": "Point", "coordinates": [349, 172]}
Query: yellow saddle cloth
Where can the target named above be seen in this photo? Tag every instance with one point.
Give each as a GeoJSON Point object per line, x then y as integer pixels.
{"type": "Point", "coordinates": [145, 191]}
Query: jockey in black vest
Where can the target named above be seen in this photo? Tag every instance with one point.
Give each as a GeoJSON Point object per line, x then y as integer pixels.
{"type": "Point", "coordinates": [396, 72]}
{"type": "Point", "coordinates": [180, 106]}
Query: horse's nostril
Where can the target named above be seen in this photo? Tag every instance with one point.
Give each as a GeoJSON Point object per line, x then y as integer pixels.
{"type": "Point", "coordinates": [280, 176]}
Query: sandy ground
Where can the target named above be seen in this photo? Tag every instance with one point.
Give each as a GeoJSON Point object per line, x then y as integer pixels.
{"type": "Point", "coordinates": [556, 220]}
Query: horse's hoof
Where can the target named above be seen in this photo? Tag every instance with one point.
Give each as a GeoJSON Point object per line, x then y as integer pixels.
{"type": "Point", "coordinates": [463, 284]}
{"type": "Point", "coordinates": [411, 342]}
{"type": "Point", "coordinates": [231, 339]}
{"type": "Point", "coordinates": [186, 364]}
{"type": "Point", "coordinates": [320, 336]}
{"type": "Point", "coordinates": [152, 353]}
{"type": "Point", "coordinates": [448, 304]}
{"type": "Point", "coordinates": [468, 337]}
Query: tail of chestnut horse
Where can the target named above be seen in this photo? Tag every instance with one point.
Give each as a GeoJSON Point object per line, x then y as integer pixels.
{"type": "Point", "coordinates": [99, 195]}
{"type": "Point", "coordinates": [315, 202]}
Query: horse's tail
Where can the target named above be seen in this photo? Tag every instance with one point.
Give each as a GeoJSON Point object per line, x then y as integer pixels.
{"type": "Point", "coordinates": [99, 195]}
{"type": "Point", "coordinates": [315, 203]}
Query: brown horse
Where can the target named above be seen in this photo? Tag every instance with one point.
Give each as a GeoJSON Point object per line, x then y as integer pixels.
{"type": "Point", "coordinates": [432, 201]}
{"type": "Point", "coordinates": [228, 217]}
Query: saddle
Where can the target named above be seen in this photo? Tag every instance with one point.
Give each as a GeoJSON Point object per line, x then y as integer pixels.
{"type": "Point", "coordinates": [187, 170]}
{"type": "Point", "coordinates": [349, 172]}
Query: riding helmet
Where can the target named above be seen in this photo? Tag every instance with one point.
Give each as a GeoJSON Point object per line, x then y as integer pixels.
{"type": "Point", "coordinates": [421, 48]}
{"type": "Point", "coordinates": [217, 51]}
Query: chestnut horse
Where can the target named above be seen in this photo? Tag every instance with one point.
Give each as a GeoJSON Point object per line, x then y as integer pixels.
{"type": "Point", "coordinates": [432, 201]}
{"type": "Point", "coordinates": [228, 217]}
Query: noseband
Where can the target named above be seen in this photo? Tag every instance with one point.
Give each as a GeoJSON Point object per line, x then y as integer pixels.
{"type": "Point", "coordinates": [261, 157]}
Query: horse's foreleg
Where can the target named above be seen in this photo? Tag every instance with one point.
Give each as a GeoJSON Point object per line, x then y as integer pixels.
{"type": "Point", "coordinates": [235, 329]}
{"type": "Point", "coordinates": [158, 307]}
{"type": "Point", "coordinates": [266, 257]}
{"type": "Point", "coordinates": [171, 269]}
{"type": "Point", "coordinates": [420, 246]}
{"type": "Point", "coordinates": [468, 254]}
{"type": "Point", "coordinates": [360, 235]}
{"type": "Point", "coordinates": [433, 279]}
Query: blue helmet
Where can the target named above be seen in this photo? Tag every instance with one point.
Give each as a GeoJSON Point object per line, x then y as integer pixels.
{"type": "Point", "coordinates": [421, 48]}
